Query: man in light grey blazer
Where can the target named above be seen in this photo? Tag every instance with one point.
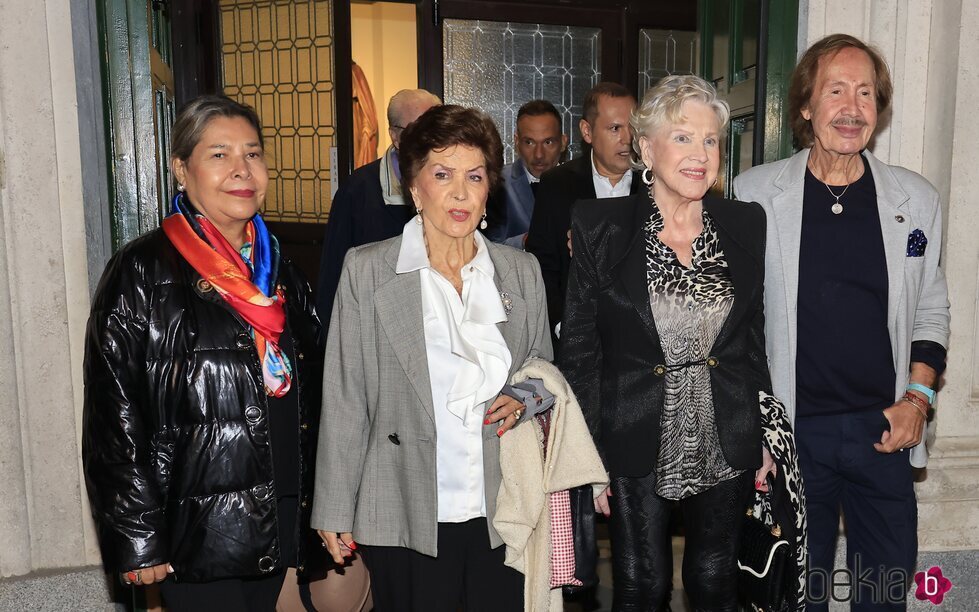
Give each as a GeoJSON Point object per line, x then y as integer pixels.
{"type": "Point", "coordinates": [857, 319]}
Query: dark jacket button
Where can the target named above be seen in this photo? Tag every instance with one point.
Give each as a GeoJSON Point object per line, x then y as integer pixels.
{"type": "Point", "coordinates": [204, 286]}
{"type": "Point", "coordinates": [244, 340]}
{"type": "Point", "coordinates": [394, 439]}
{"type": "Point", "coordinates": [713, 362]}
{"type": "Point", "coordinates": [300, 356]}
{"type": "Point", "coordinates": [659, 369]}
{"type": "Point", "coordinates": [253, 414]}
{"type": "Point", "coordinates": [266, 564]}
{"type": "Point", "coordinates": [304, 426]}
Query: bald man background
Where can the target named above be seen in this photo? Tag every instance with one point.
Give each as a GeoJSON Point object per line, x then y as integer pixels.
{"type": "Point", "coordinates": [369, 205]}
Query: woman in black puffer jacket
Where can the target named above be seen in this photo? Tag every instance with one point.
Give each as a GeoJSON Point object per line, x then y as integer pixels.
{"type": "Point", "coordinates": [203, 375]}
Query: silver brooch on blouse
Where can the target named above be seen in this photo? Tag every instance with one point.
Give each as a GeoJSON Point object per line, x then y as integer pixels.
{"type": "Point", "coordinates": [507, 301]}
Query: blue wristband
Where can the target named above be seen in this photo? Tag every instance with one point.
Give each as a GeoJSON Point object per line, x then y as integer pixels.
{"type": "Point", "coordinates": [928, 392]}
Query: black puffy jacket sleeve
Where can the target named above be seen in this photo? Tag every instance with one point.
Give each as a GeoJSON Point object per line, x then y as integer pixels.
{"type": "Point", "coordinates": [118, 423]}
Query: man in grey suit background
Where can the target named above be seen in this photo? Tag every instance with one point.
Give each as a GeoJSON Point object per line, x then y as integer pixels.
{"type": "Point", "coordinates": [539, 145]}
{"type": "Point", "coordinates": [857, 319]}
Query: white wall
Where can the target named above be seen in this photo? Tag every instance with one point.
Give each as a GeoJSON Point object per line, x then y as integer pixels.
{"type": "Point", "coordinates": [383, 43]}
{"type": "Point", "coordinates": [43, 294]}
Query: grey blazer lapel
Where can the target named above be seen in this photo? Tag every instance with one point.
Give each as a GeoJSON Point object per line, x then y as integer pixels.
{"type": "Point", "coordinates": [893, 206]}
{"type": "Point", "coordinates": [787, 211]}
{"type": "Point", "coordinates": [399, 310]}
{"type": "Point", "coordinates": [515, 327]}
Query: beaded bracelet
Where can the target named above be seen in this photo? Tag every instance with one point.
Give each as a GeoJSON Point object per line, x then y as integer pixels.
{"type": "Point", "coordinates": [917, 402]}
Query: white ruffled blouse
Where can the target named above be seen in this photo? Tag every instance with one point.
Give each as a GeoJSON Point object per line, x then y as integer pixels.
{"type": "Point", "coordinates": [468, 364]}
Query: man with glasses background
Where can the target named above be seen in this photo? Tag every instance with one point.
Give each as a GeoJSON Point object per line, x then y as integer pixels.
{"type": "Point", "coordinates": [369, 206]}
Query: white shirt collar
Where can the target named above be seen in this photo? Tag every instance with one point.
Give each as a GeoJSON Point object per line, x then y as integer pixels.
{"type": "Point", "coordinates": [604, 187]}
{"type": "Point", "coordinates": [414, 256]}
{"type": "Point", "coordinates": [530, 177]}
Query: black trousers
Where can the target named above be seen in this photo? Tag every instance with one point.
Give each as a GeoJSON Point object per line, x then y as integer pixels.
{"type": "Point", "coordinates": [246, 594]}
{"type": "Point", "coordinates": [842, 470]}
{"type": "Point", "coordinates": [642, 553]}
{"type": "Point", "coordinates": [466, 575]}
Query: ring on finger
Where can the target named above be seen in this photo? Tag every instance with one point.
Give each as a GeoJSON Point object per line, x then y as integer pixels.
{"type": "Point", "coordinates": [518, 413]}
{"type": "Point", "coordinates": [134, 577]}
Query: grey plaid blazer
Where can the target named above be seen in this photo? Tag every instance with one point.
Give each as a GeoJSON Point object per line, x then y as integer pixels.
{"type": "Point", "coordinates": [375, 467]}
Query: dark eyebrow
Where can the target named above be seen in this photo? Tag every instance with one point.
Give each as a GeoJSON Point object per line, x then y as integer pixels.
{"type": "Point", "coordinates": [224, 146]}
{"type": "Point", "coordinates": [479, 167]}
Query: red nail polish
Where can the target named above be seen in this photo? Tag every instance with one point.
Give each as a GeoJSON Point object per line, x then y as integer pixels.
{"type": "Point", "coordinates": [486, 421]}
{"type": "Point", "coordinates": [499, 432]}
{"type": "Point", "coordinates": [757, 485]}
{"type": "Point", "coordinates": [353, 545]}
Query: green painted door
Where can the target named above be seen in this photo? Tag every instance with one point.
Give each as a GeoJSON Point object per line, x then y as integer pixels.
{"type": "Point", "coordinates": [744, 41]}
{"type": "Point", "coordinates": [138, 92]}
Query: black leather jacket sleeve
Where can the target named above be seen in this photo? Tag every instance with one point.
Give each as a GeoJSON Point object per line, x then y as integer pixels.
{"type": "Point", "coordinates": [581, 357]}
{"type": "Point", "coordinates": [127, 503]}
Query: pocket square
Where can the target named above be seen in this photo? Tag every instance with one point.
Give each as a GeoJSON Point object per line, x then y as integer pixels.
{"type": "Point", "coordinates": [917, 241]}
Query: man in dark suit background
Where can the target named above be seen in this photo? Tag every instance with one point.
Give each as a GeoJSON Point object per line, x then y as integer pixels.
{"type": "Point", "coordinates": [369, 206]}
{"type": "Point", "coordinates": [539, 145]}
{"type": "Point", "coordinates": [605, 173]}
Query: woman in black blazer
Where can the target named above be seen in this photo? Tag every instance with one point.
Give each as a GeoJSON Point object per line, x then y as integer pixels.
{"type": "Point", "coordinates": [664, 346]}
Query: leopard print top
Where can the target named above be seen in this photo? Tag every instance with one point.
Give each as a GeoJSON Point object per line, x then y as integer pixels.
{"type": "Point", "coordinates": [689, 306]}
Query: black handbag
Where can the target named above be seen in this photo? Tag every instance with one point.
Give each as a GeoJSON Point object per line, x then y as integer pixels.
{"type": "Point", "coordinates": [585, 540]}
{"type": "Point", "coordinates": [766, 561]}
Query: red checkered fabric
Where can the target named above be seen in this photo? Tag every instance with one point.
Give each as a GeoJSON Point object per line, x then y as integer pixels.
{"type": "Point", "coordinates": [562, 541]}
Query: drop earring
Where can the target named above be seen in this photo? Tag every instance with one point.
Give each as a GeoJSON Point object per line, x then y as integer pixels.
{"type": "Point", "coordinates": [483, 224]}
{"type": "Point", "coordinates": [418, 215]}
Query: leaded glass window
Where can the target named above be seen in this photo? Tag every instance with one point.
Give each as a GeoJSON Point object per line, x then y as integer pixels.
{"type": "Point", "coordinates": [665, 52]}
{"type": "Point", "coordinates": [277, 56]}
{"type": "Point", "coordinates": [497, 66]}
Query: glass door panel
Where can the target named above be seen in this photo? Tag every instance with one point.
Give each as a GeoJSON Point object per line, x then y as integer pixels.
{"type": "Point", "coordinates": [666, 52]}
{"type": "Point", "coordinates": [497, 66]}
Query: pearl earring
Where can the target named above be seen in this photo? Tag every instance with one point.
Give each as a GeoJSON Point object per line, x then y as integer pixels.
{"type": "Point", "coordinates": [418, 215]}
{"type": "Point", "coordinates": [180, 188]}
{"type": "Point", "coordinates": [483, 224]}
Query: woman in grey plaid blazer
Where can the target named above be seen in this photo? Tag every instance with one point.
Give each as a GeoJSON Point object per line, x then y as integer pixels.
{"type": "Point", "coordinates": [426, 330]}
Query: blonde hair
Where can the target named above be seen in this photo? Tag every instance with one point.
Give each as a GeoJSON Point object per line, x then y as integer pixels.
{"type": "Point", "coordinates": [663, 105]}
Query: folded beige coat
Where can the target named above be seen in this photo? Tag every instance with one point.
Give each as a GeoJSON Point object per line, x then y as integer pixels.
{"type": "Point", "coordinates": [522, 516]}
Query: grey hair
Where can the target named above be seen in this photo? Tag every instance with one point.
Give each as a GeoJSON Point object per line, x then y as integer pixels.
{"type": "Point", "coordinates": [405, 97]}
{"type": "Point", "coordinates": [194, 118]}
{"type": "Point", "coordinates": [663, 105]}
